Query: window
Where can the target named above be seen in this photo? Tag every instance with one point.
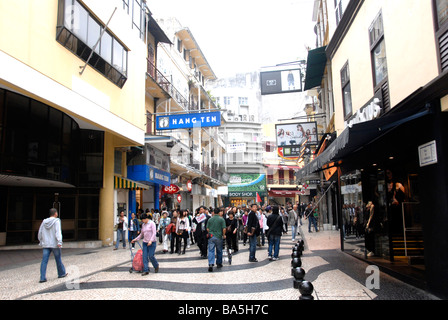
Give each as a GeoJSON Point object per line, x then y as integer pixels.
{"type": "Point", "coordinates": [227, 101]}
{"type": "Point", "coordinates": [346, 91]}
{"type": "Point", "coordinates": [339, 8]}
{"type": "Point", "coordinates": [243, 101]}
{"type": "Point", "coordinates": [442, 12]}
{"type": "Point", "coordinates": [378, 50]}
{"type": "Point", "coordinates": [79, 31]}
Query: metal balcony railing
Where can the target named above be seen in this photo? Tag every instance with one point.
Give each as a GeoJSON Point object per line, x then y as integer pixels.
{"type": "Point", "coordinates": [166, 85]}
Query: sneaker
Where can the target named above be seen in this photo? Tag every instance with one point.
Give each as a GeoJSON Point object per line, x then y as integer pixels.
{"type": "Point", "coordinates": [66, 274]}
{"type": "Point", "coordinates": [219, 265]}
{"type": "Point", "coordinates": [275, 259]}
{"type": "Point", "coordinates": [270, 258]}
{"type": "Point", "coordinates": [253, 260]}
{"type": "Point", "coordinates": [210, 268]}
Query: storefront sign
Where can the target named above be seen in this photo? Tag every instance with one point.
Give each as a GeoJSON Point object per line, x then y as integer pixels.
{"type": "Point", "coordinates": [372, 110]}
{"type": "Point", "coordinates": [247, 185]}
{"type": "Point", "coordinates": [179, 198]}
{"type": "Point", "coordinates": [172, 189]}
{"type": "Point", "coordinates": [149, 174]}
{"type": "Point", "coordinates": [236, 147]}
{"type": "Point", "coordinates": [189, 186]}
{"type": "Point", "coordinates": [189, 120]}
{"type": "Point", "coordinates": [427, 153]}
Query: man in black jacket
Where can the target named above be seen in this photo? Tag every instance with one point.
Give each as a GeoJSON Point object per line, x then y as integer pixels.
{"type": "Point", "coordinates": [275, 224]}
{"type": "Point", "coordinates": [253, 230]}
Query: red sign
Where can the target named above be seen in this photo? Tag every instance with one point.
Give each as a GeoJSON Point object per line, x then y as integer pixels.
{"type": "Point", "coordinates": [189, 186]}
{"type": "Point", "coordinates": [172, 189]}
{"type": "Point", "coordinates": [179, 198]}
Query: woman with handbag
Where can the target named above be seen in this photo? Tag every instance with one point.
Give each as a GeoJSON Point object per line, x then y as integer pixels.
{"type": "Point", "coordinates": [163, 224]}
{"type": "Point", "coordinates": [182, 228]}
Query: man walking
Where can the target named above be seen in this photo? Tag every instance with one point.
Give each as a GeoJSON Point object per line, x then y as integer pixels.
{"type": "Point", "coordinates": [216, 228]}
{"type": "Point", "coordinates": [275, 225]}
{"type": "Point", "coordinates": [253, 230]}
{"type": "Point", "coordinates": [292, 221]}
{"type": "Point", "coordinates": [50, 239]}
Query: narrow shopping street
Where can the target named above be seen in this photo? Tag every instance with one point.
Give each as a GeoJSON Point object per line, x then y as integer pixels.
{"type": "Point", "coordinates": [103, 274]}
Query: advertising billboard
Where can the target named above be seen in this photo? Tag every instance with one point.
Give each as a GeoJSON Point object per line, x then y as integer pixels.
{"type": "Point", "coordinates": [292, 137]}
{"type": "Point", "coordinates": [281, 81]}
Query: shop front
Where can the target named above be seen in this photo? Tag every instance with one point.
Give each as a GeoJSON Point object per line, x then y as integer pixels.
{"type": "Point", "coordinates": [391, 178]}
{"type": "Point", "coordinates": [47, 160]}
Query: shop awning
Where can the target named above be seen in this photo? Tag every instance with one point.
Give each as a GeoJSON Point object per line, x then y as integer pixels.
{"type": "Point", "coordinates": [358, 137]}
{"type": "Point", "coordinates": [122, 183]}
{"type": "Point", "coordinates": [315, 67]}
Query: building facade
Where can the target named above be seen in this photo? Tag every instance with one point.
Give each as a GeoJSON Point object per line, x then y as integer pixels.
{"type": "Point", "coordinates": [195, 155]}
{"type": "Point", "coordinates": [239, 98]}
{"type": "Point", "coordinates": [72, 99]}
{"type": "Point", "coordinates": [389, 98]}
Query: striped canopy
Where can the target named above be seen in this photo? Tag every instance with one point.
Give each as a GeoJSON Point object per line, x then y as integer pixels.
{"type": "Point", "coordinates": [122, 183]}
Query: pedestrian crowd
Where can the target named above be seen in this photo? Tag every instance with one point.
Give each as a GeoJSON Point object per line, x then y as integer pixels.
{"type": "Point", "coordinates": [214, 230]}
{"type": "Point", "coordinates": [211, 229]}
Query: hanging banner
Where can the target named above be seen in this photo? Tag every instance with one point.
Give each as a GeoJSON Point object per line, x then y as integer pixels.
{"type": "Point", "coordinates": [189, 120]}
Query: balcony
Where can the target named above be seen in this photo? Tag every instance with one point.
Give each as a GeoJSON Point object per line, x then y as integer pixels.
{"type": "Point", "coordinates": [283, 182]}
{"type": "Point", "coordinates": [160, 87]}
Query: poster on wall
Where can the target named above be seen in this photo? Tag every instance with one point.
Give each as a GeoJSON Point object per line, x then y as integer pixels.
{"type": "Point", "coordinates": [292, 136]}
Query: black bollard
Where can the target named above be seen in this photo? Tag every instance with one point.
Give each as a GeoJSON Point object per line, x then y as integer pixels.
{"type": "Point", "coordinates": [296, 262]}
{"type": "Point", "coordinates": [306, 289]}
{"type": "Point", "coordinates": [299, 275]}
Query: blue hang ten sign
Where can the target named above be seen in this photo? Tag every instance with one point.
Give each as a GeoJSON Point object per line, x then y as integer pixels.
{"type": "Point", "coordinates": [187, 121]}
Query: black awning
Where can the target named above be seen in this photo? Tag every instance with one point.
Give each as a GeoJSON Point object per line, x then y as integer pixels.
{"type": "Point", "coordinates": [157, 31]}
{"type": "Point", "coordinates": [358, 137]}
{"type": "Point", "coordinates": [315, 67]}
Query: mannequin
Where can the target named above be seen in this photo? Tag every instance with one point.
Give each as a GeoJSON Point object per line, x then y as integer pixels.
{"type": "Point", "coordinates": [369, 235]}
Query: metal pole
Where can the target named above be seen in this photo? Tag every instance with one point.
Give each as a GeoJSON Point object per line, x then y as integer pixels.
{"type": "Point", "coordinates": [96, 44]}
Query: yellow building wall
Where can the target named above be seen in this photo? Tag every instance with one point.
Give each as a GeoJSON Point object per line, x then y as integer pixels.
{"type": "Point", "coordinates": [410, 51]}
{"type": "Point", "coordinates": [28, 33]}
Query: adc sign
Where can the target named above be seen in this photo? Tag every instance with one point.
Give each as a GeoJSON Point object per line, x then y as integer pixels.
{"type": "Point", "coordinates": [172, 189]}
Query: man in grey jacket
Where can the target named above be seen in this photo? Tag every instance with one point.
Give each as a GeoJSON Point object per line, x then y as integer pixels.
{"type": "Point", "coordinates": [50, 239]}
{"type": "Point", "coordinates": [292, 221]}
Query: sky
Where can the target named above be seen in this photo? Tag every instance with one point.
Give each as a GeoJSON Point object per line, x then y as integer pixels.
{"type": "Point", "coordinates": [244, 35]}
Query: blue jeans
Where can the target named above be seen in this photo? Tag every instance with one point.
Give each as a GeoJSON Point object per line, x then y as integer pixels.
{"type": "Point", "coordinates": [120, 235]}
{"type": "Point", "coordinates": [294, 232]}
{"type": "Point", "coordinates": [148, 254]}
{"type": "Point", "coordinates": [57, 258]}
{"type": "Point", "coordinates": [252, 246]}
{"type": "Point", "coordinates": [214, 243]}
{"type": "Point", "coordinates": [274, 242]}
{"type": "Point", "coordinates": [312, 220]}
